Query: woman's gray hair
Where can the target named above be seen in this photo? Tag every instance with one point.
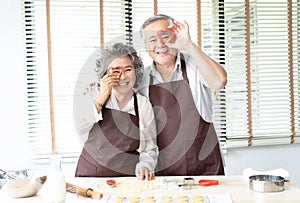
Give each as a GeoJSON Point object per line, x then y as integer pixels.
{"type": "Point", "coordinates": [119, 50]}
{"type": "Point", "coordinates": [156, 18]}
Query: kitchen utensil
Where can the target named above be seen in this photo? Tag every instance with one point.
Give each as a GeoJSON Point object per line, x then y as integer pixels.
{"type": "Point", "coordinates": [11, 174]}
{"type": "Point", "coordinates": [187, 183]}
{"type": "Point", "coordinates": [2, 181]}
{"type": "Point", "coordinates": [266, 183]}
{"type": "Point", "coordinates": [166, 36]}
{"type": "Point", "coordinates": [116, 71]}
{"type": "Point", "coordinates": [85, 192]}
{"type": "Point", "coordinates": [111, 183]}
{"type": "Point", "coordinates": [208, 182]}
{"type": "Point", "coordinates": [28, 182]}
{"type": "Point", "coordinates": [23, 183]}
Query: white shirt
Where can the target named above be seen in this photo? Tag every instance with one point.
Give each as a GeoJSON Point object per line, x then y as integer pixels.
{"type": "Point", "coordinates": [202, 95]}
{"type": "Point", "coordinates": [148, 148]}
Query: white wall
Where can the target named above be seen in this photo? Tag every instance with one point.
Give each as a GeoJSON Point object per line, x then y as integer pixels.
{"type": "Point", "coordinates": [264, 159]}
{"type": "Point", "coordinates": [13, 111]}
{"type": "Point", "coordinates": [12, 86]}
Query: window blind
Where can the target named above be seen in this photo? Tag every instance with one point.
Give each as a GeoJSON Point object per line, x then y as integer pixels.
{"type": "Point", "coordinates": [74, 28]}
{"type": "Point", "coordinates": [261, 105]}
{"type": "Point", "coordinates": [256, 41]}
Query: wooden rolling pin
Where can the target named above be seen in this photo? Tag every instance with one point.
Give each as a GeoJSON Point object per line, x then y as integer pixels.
{"type": "Point", "coordinates": [85, 192]}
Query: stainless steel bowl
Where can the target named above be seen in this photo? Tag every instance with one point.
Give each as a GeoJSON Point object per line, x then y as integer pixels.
{"type": "Point", "coordinates": [27, 173]}
{"type": "Point", "coordinates": [22, 183]}
{"type": "Point", "coordinates": [266, 183]}
{"type": "Point", "coordinates": [2, 181]}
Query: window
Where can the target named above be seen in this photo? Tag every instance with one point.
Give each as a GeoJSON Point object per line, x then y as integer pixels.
{"type": "Point", "coordinates": [256, 41]}
{"type": "Point", "coordinates": [74, 34]}
{"type": "Point", "coordinates": [262, 61]}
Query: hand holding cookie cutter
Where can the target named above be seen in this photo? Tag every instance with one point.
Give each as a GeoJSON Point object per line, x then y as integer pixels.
{"type": "Point", "coordinates": [166, 35]}
{"type": "Point", "coordinates": [117, 71]}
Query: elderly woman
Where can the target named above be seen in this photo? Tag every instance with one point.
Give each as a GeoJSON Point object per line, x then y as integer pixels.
{"type": "Point", "coordinates": [122, 139]}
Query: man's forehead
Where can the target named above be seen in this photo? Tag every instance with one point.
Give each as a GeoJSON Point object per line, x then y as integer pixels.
{"type": "Point", "coordinates": [150, 32]}
{"type": "Point", "coordinates": [152, 28]}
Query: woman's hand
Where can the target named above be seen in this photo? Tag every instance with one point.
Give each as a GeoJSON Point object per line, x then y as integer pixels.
{"type": "Point", "coordinates": [143, 173]}
{"type": "Point", "coordinates": [107, 83]}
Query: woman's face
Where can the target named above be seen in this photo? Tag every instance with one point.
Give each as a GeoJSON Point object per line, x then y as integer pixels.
{"type": "Point", "coordinates": [127, 78]}
{"type": "Point", "coordinates": [158, 51]}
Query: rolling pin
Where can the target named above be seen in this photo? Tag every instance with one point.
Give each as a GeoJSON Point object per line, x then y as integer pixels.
{"type": "Point", "coordinates": [85, 192]}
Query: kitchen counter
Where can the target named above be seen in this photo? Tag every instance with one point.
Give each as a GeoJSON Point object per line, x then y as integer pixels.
{"type": "Point", "coordinates": [233, 189]}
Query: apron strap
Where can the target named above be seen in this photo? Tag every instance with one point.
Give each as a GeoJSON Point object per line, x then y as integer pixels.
{"type": "Point", "coordinates": [136, 109]}
{"type": "Point", "coordinates": [183, 68]}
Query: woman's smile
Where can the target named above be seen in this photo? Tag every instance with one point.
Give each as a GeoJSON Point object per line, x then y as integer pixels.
{"type": "Point", "coordinates": [123, 83]}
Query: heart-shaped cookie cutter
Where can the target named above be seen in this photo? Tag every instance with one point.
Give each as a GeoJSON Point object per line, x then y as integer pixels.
{"type": "Point", "coordinates": [166, 35]}
{"type": "Point", "coordinates": [118, 71]}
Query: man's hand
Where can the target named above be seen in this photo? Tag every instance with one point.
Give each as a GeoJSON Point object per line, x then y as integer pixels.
{"type": "Point", "coordinates": [182, 35]}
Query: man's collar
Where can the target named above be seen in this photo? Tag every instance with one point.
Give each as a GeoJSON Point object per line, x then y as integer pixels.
{"type": "Point", "coordinates": [178, 62]}
{"type": "Point", "coordinates": [177, 65]}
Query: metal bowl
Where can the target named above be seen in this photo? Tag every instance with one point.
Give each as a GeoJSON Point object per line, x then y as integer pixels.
{"type": "Point", "coordinates": [2, 181]}
{"type": "Point", "coordinates": [266, 183]}
{"type": "Point", "coordinates": [27, 173]}
{"type": "Point", "coordinates": [22, 183]}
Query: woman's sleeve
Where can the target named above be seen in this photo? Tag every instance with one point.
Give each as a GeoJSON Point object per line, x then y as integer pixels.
{"type": "Point", "coordinates": [148, 147]}
{"type": "Point", "coordinates": [85, 115]}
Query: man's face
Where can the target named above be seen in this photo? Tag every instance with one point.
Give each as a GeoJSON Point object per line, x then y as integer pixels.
{"type": "Point", "coordinates": [158, 51]}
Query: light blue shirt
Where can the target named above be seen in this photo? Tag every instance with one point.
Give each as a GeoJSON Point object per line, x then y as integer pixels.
{"type": "Point", "coordinates": [202, 95]}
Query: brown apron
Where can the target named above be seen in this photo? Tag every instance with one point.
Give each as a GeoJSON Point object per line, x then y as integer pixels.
{"type": "Point", "coordinates": [111, 148]}
{"type": "Point", "coordinates": [188, 145]}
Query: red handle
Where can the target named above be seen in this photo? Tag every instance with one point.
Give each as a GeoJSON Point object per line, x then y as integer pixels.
{"type": "Point", "coordinates": [208, 182]}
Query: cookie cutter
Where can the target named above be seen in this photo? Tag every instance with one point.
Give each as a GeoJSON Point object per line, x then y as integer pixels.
{"type": "Point", "coordinates": [117, 71]}
{"type": "Point", "coordinates": [166, 35]}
